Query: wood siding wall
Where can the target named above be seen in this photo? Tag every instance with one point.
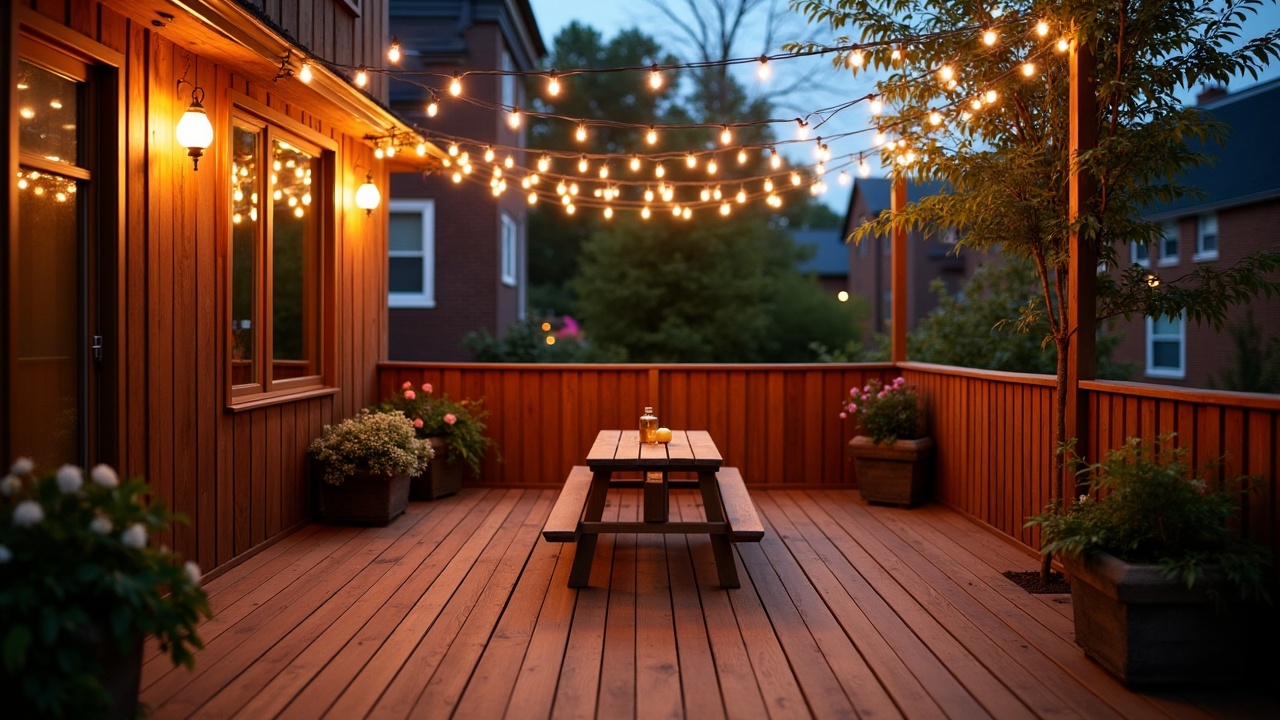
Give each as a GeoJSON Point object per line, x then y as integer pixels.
{"type": "Point", "coordinates": [240, 477]}
{"type": "Point", "coordinates": [779, 424]}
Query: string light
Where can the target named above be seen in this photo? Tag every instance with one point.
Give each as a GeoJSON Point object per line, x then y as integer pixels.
{"type": "Point", "coordinates": [935, 118]}
{"type": "Point", "coordinates": [455, 86]}
{"type": "Point", "coordinates": [553, 84]}
{"type": "Point", "coordinates": [645, 213]}
{"type": "Point", "coordinates": [421, 149]}
{"type": "Point", "coordinates": [635, 163]}
{"type": "Point", "coordinates": [768, 185]}
{"type": "Point", "coordinates": [659, 171]}
{"type": "Point", "coordinates": [876, 106]}
{"type": "Point", "coordinates": [305, 73]}
{"type": "Point", "coordinates": [581, 134]}
{"type": "Point", "coordinates": [532, 198]}
{"type": "Point", "coordinates": [513, 119]}
{"type": "Point", "coordinates": [864, 169]}
{"type": "Point", "coordinates": [1064, 45]}
{"type": "Point", "coordinates": [608, 213]}
{"type": "Point", "coordinates": [775, 160]}
{"type": "Point", "coordinates": [741, 197]}
{"type": "Point", "coordinates": [362, 77]}
{"type": "Point", "coordinates": [724, 209]}
{"type": "Point", "coordinates": [508, 161]}
{"type": "Point", "coordinates": [604, 171]}
{"type": "Point", "coordinates": [742, 157]}
{"type": "Point", "coordinates": [453, 149]}
{"type": "Point", "coordinates": [712, 167]}
{"type": "Point", "coordinates": [763, 71]}
{"type": "Point", "coordinates": [648, 194]}
{"type": "Point", "coordinates": [795, 178]}
{"type": "Point", "coordinates": [947, 73]}
{"type": "Point", "coordinates": [989, 37]}
{"type": "Point", "coordinates": [1028, 69]}
{"type": "Point", "coordinates": [843, 178]}
{"type": "Point", "coordinates": [393, 52]}
{"type": "Point", "coordinates": [726, 137]}
{"type": "Point", "coordinates": [802, 129]}
{"type": "Point", "coordinates": [690, 161]}
{"type": "Point", "coordinates": [488, 154]}
{"type": "Point", "coordinates": [433, 108]}
{"type": "Point", "coordinates": [583, 164]}
{"type": "Point", "coordinates": [655, 78]}
{"type": "Point", "coordinates": [544, 163]}
{"type": "Point", "coordinates": [991, 97]}
{"type": "Point", "coordinates": [651, 137]}
{"type": "Point", "coordinates": [856, 59]}
{"type": "Point", "coordinates": [1042, 28]}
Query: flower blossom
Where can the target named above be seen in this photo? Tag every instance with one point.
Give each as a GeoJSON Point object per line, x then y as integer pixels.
{"type": "Point", "coordinates": [101, 525]}
{"type": "Point", "coordinates": [10, 485]}
{"type": "Point", "coordinates": [844, 415]}
{"type": "Point", "coordinates": [417, 422]}
{"type": "Point", "coordinates": [28, 513]}
{"type": "Point", "coordinates": [450, 418]}
{"type": "Point", "coordinates": [23, 466]}
{"type": "Point", "coordinates": [899, 381]}
{"type": "Point", "coordinates": [103, 475]}
{"type": "Point", "coordinates": [5, 554]}
{"type": "Point", "coordinates": [426, 388]}
{"type": "Point", "coordinates": [193, 572]}
{"type": "Point", "coordinates": [407, 385]}
{"type": "Point", "coordinates": [70, 479]}
{"type": "Point", "coordinates": [135, 537]}
{"type": "Point", "coordinates": [409, 395]}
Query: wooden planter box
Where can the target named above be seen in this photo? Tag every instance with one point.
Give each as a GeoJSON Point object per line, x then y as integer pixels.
{"type": "Point", "coordinates": [442, 477]}
{"type": "Point", "coordinates": [1147, 629]}
{"type": "Point", "coordinates": [363, 498]}
{"type": "Point", "coordinates": [897, 474]}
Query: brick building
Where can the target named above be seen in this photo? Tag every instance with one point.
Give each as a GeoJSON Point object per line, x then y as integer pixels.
{"type": "Point", "coordinates": [457, 258]}
{"type": "Point", "coordinates": [927, 258]}
{"type": "Point", "coordinates": [1239, 213]}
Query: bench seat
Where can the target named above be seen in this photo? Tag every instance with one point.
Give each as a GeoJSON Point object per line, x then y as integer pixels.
{"type": "Point", "coordinates": [562, 523]}
{"type": "Point", "coordinates": [739, 512]}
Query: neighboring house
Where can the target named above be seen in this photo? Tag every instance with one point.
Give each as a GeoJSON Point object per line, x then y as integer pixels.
{"type": "Point", "coordinates": [829, 262]}
{"type": "Point", "coordinates": [1238, 214]}
{"type": "Point", "coordinates": [457, 254]}
{"type": "Point", "coordinates": [194, 327]}
{"type": "Point", "coordinates": [927, 258]}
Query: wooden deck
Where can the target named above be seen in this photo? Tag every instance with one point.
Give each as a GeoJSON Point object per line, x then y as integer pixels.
{"type": "Point", "coordinates": [459, 609]}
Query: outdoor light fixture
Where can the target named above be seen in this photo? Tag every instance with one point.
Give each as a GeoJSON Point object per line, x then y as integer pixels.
{"type": "Point", "coordinates": [195, 132]}
{"type": "Point", "coordinates": [393, 52]}
{"type": "Point", "coordinates": [367, 196]}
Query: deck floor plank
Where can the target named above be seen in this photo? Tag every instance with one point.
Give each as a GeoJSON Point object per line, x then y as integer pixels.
{"type": "Point", "coordinates": [460, 609]}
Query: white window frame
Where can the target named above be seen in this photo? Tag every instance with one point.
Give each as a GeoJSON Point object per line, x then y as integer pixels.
{"type": "Point", "coordinates": [1203, 255]}
{"type": "Point", "coordinates": [1169, 231]}
{"type": "Point", "coordinates": [508, 247]}
{"type": "Point", "coordinates": [1179, 372]}
{"type": "Point", "coordinates": [1134, 257]}
{"type": "Point", "coordinates": [427, 251]}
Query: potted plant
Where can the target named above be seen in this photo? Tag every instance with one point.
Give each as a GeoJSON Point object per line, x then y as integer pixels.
{"type": "Point", "coordinates": [1154, 564]}
{"type": "Point", "coordinates": [80, 587]}
{"type": "Point", "coordinates": [893, 459]}
{"type": "Point", "coordinates": [455, 431]}
{"type": "Point", "coordinates": [365, 463]}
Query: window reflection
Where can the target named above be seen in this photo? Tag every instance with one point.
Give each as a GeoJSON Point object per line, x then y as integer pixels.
{"type": "Point", "coordinates": [244, 253]}
{"type": "Point", "coordinates": [47, 109]}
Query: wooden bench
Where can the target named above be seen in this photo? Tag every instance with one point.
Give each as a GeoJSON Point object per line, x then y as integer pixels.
{"type": "Point", "coordinates": [564, 522]}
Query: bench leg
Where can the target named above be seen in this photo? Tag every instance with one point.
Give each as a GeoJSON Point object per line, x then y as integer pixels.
{"type": "Point", "coordinates": [580, 573]}
{"type": "Point", "coordinates": [726, 568]}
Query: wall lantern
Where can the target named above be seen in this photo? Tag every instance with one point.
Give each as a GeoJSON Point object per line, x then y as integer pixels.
{"type": "Point", "coordinates": [195, 132]}
{"type": "Point", "coordinates": [367, 196]}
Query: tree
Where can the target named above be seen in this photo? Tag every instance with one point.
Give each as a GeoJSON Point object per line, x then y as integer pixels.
{"type": "Point", "coordinates": [1003, 143]}
{"type": "Point", "coordinates": [1255, 360]}
{"type": "Point", "coordinates": [972, 328]}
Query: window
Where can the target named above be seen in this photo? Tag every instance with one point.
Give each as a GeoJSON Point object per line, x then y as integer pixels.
{"type": "Point", "coordinates": [509, 81]}
{"type": "Point", "coordinates": [1168, 245]}
{"type": "Point", "coordinates": [1140, 254]}
{"type": "Point", "coordinates": [411, 261]}
{"type": "Point", "coordinates": [279, 219]}
{"type": "Point", "coordinates": [509, 238]}
{"type": "Point", "coordinates": [1166, 346]}
{"type": "Point", "coordinates": [1207, 238]}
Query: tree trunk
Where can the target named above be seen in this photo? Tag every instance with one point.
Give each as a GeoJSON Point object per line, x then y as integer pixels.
{"type": "Point", "coordinates": [1057, 478]}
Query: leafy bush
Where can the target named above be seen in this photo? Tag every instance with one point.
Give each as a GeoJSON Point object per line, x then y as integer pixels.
{"type": "Point", "coordinates": [885, 412]}
{"type": "Point", "coordinates": [461, 423]}
{"type": "Point", "coordinates": [381, 443]}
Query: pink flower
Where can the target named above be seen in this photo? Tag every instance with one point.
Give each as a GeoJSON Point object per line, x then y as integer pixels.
{"type": "Point", "coordinates": [866, 390]}
{"type": "Point", "coordinates": [450, 418]}
{"type": "Point", "coordinates": [844, 415]}
{"type": "Point", "coordinates": [417, 422]}
{"type": "Point", "coordinates": [882, 393]}
{"type": "Point", "coordinates": [426, 388]}
{"type": "Point", "coordinates": [406, 385]}
{"type": "Point", "coordinates": [853, 408]}
{"type": "Point", "coordinates": [409, 395]}
{"type": "Point", "coordinates": [900, 381]}
{"type": "Point", "coordinates": [853, 392]}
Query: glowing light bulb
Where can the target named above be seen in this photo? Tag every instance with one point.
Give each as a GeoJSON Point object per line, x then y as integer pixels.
{"type": "Point", "coordinates": [676, 210]}
{"type": "Point", "coordinates": [989, 37]}
{"type": "Point", "coordinates": [844, 178]}
{"type": "Point", "coordinates": [742, 157]}
{"type": "Point", "coordinates": [1028, 69]}
{"type": "Point", "coordinates": [726, 137]}
{"type": "Point", "coordinates": [513, 118]}
{"type": "Point", "coordinates": [393, 52]}
{"type": "Point", "coordinates": [896, 55]}
{"type": "Point", "coordinates": [876, 106]}
{"type": "Point", "coordinates": [856, 59]}
{"type": "Point", "coordinates": [391, 151]}
{"type": "Point", "coordinates": [635, 163]}
{"type": "Point", "coordinates": [878, 139]}
{"type": "Point", "coordinates": [305, 73]}
{"type": "Point", "coordinates": [655, 78]}
{"type": "Point", "coordinates": [362, 77]}
{"type": "Point", "coordinates": [433, 108]}
{"type": "Point", "coordinates": [608, 213]}
{"type": "Point", "coordinates": [724, 209]}
{"type": "Point", "coordinates": [553, 84]}
{"type": "Point", "coordinates": [573, 188]}
{"type": "Point", "coordinates": [768, 185]}
{"type": "Point", "coordinates": [1042, 28]}
{"type": "Point", "coordinates": [455, 86]}
{"type": "Point", "coordinates": [762, 70]}
{"type": "Point", "coordinates": [741, 197]}
{"type": "Point", "coordinates": [581, 134]}
{"type": "Point", "coordinates": [976, 104]}
{"type": "Point", "coordinates": [379, 153]}
{"type": "Point", "coordinates": [946, 73]}
{"type": "Point", "coordinates": [561, 188]}
{"type": "Point", "coordinates": [935, 118]}
{"type": "Point", "coordinates": [421, 149]}
{"type": "Point", "coordinates": [457, 177]}
{"type": "Point", "coordinates": [532, 198]}
{"type": "Point", "coordinates": [648, 195]}
{"type": "Point", "coordinates": [795, 178]}
{"type": "Point", "coordinates": [569, 209]}
{"type": "Point", "coordinates": [604, 171]}
{"type": "Point", "coordinates": [645, 213]}
{"type": "Point", "coordinates": [544, 163]}
{"type": "Point", "coordinates": [583, 164]}
{"type": "Point", "coordinates": [690, 161]}
{"type": "Point", "coordinates": [651, 137]}
{"type": "Point", "coordinates": [991, 97]}
{"type": "Point", "coordinates": [705, 194]}
{"type": "Point", "coordinates": [1064, 45]}
{"type": "Point", "coordinates": [686, 213]}
{"type": "Point", "coordinates": [488, 154]}
{"type": "Point", "coordinates": [453, 149]}
{"type": "Point", "coordinates": [775, 160]}
{"type": "Point", "coordinates": [802, 130]}
{"type": "Point", "coordinates": [659, 171]}
{"type": "Point", "coordinates": [668, 192]}
{"type": "Point", "coordinates": [712, 166]}
{"type": "Point", "coordinates": [864, 170]}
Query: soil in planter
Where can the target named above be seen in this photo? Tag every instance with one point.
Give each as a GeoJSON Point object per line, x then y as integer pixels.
{"type": "Point", "coordinates": [1033, 583]}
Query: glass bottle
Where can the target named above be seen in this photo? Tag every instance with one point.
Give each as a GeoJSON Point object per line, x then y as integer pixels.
{"type": "Point", "coordinates": [648, 426]}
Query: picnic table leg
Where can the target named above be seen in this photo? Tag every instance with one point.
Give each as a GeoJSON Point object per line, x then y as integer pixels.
{"type": "Point", "coordinates": [580, 573]}
{"type": "Point", "coordinates": [726, 568]}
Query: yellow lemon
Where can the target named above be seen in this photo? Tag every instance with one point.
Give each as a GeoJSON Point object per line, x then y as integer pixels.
{"type": "Point", "coordinates": [664, 435]}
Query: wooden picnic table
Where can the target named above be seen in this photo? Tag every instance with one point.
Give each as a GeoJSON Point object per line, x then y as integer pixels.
{"type": "Point", "coordinates": [730, 516]}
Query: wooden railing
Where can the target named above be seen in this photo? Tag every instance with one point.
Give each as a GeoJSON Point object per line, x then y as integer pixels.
{"type": "Point", "coordinates": [780, 424]}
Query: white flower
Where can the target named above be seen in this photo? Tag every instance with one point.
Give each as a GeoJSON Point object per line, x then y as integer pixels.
{"type": "Point", "coordinates": [10, 485]}
{"type": "Point", "coordinates": [28, 513]}
{"type": "Point", "coordinates": [105, 476]}
{"type": "Point", "coordinates": [101, 525]}
{"type": "Point", "coordinates": [23, 466]}
{"type": "Point", "coordinates": [193, 572]}
{"type": "Point", "coordinates": [5, 554]}
{"type": "Point", "coordinates": [135, 537]}
{"type": "Point", "coordinates": [70, 479]}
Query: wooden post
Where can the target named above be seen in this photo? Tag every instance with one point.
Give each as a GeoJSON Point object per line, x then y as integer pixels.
{"type": "Point", "coordinates": [898, 273]}
{"type": "Point", "coordinates": [1082, 266]}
